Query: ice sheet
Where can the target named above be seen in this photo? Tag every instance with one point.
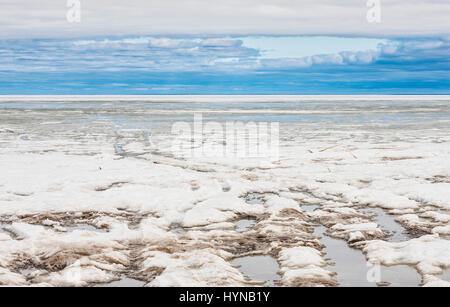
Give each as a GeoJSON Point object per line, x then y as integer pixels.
{"type": "Point", "coordinates": [167, 220]}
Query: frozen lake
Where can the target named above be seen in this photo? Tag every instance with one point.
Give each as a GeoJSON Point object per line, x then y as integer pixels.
{"type": "Point", "coordinates": [100, 191]}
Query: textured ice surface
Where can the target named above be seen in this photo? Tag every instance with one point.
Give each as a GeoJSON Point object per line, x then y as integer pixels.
{"type": "Point", "coordinates": [304, 266]}
{"type": "Point", "coordinates": [92, 193]}
{"type": "Point", "coordinates": [429, 254]}
{"type": "Point", "coordinates": [83, 227]}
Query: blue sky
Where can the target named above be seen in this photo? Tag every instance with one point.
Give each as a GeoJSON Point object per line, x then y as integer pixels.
{"type": "Point", "coordinates": [325, 55]}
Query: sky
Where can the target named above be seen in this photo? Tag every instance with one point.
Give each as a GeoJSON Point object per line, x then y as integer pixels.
{"type": "Point", "coordinates": [225, 47]}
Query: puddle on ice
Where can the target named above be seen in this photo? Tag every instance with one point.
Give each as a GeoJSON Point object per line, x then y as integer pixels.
{"type": "Point", "coordinates": [446, 275]}
{"type": "Point", "coordinates": [177, 229]}
{"type": "Point", "coordinates": [400, 276]}
{"type": "Point", "coordinates": [26, 272]}
{"type": "Point", "coordinates": [124, 282]}
{"type": "Point", "coordinates": [259, 268]}
{"type": "Point", "coordinates": [309, 208]}
{"type": "Point", "coordinates": [119, 150]}
{"type": "Point", "coordinates": [352, 269]}
{"type": "Point", "coordinates": [388, 224]}
{"type": "Point", "coordinates": [2, 230]}
{"type": "Point", "coordinates": [245, 224]}
{"type": "Point", "coordinates": [255, 199]}
{"type": "Point", "coordinates": [84, 227]}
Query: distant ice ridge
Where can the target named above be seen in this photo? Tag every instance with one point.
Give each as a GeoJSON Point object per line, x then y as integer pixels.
{"type": "Point", "coordinates": [225, 98]}
{"type": "Point", "coordinates": [76, 211]}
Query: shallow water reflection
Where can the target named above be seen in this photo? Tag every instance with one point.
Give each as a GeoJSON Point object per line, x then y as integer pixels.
{"type": "Point", "coordinates": [259, 268]}
{"type": "Point", "coordinates": [353, 270]}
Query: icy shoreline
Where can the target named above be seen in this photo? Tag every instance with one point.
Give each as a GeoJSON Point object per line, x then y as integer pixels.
{"type": "Point", "coordinates": [75, 211]}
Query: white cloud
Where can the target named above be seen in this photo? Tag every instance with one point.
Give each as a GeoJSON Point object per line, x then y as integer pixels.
{"type": "Point", "coordinates": [433, 53]}
{"type": "Point", "coordinates": [224, 54]}
{"type": "Point", "coordinates": [47, 18]}
{"type": "Point", "coordinates": [169, 43]}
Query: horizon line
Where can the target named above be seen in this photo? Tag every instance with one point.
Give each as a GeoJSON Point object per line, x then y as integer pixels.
{"type": "Point", "coordinates": [5, 98]}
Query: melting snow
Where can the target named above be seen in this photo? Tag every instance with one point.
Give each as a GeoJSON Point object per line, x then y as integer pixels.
{"type": "Point", "coordinates": [88, 198]}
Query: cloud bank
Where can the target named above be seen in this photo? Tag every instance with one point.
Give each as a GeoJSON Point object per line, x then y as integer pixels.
{"type": "Point", "coordinates": [157, 65]}
{"type": "Point", "coordinates": [224, 47]}
{"type": "Point", "coordinates": [206, 54]}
